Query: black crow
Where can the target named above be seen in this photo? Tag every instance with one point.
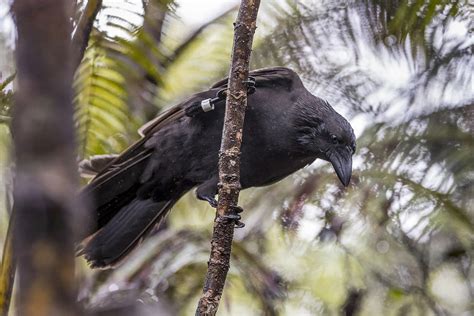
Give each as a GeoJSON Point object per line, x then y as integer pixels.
{"type": "Point", "coordinates": [285, 129]}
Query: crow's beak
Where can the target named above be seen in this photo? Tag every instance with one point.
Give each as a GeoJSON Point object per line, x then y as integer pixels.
{"type": "Point", "coordinates": [341, 160]}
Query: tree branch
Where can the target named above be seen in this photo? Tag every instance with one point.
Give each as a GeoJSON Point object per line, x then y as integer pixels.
{"type": "Point", "coordinates": [229, 158]}
{"type": "Point", "coordinates": [83, 30]}
{"type": "Point", "coordinates": [46, 179]}
{"type": "Point", "coordinates": [79, 43]}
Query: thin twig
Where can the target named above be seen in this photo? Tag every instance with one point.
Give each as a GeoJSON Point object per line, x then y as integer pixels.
{"type": "Point", "coordinates": [83, 30]}
{"type": "Point", "coordinates": [229, 158]}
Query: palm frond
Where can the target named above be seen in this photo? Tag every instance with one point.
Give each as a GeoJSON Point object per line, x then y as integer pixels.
{"type": "Point", "coordinates": [102, 116]}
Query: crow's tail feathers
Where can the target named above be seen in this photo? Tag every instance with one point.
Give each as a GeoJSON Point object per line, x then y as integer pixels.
{"type": "Point", "coordinates": [118, 237]}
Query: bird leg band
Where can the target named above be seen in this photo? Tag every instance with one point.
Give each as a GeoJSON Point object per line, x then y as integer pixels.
{"type": "Point", "coordinates": [207, 105]}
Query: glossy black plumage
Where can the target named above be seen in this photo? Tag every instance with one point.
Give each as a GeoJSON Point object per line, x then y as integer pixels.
{"type": "Point", "coordinates": [285, 129]}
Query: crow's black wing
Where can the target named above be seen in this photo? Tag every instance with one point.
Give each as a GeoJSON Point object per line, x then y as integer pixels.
{"type": "Point", "coordinates": [116, 184]}
{"type": "Point", "coordinates": [119, 168]}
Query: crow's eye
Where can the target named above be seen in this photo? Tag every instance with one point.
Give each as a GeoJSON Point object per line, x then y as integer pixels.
{"type": "Point", "coordinates": [334, 139]}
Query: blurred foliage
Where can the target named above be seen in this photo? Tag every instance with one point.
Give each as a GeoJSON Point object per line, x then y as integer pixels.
{"type": "Point", "coordinates": [399, 241]}
{"type": "Point", "coordinates": [6, 99]}
{"type": "Point", "coordinates": [136, 64]}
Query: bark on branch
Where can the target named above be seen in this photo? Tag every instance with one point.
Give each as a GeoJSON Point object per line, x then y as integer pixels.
{"type": "Point", "coordinates": [229, 158]}
{"type": "Point", "coordinates": [46, 176]}
{"type": "Point", "coordinates": [79, 43]}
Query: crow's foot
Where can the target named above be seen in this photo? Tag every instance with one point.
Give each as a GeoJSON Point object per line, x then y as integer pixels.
{"type": "Point", "coordinates": [234, 215]}
{"type": "Point", "coordinates": [209, 198]}
{"type": "Point", "coordinates": [212, 201]}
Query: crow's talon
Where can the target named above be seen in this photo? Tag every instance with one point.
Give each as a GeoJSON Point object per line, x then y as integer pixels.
{"type": "Point", "coordinates": [234, 216]}
{"type": "Point", "coordinates": [239, 224]}
{"type": "Point", "coordinates": [212, 202]}
{"type": "Point", "coordinates": [237, 209]}
{"type": "Point", "coordinates": [209, 199]}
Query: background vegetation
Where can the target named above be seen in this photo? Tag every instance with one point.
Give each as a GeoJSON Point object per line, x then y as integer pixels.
{"type": "Point", "coordinates": [399, 241]}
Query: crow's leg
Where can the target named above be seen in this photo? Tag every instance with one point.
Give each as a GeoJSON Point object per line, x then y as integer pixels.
{"type": "Point", "coordinates": [234, 215]}
{"type": "Point", "coordinates": [207, 192]}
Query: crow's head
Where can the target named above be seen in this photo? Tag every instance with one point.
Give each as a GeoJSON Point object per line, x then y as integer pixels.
{"type": "Point", "coordinates": [325, 134]}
